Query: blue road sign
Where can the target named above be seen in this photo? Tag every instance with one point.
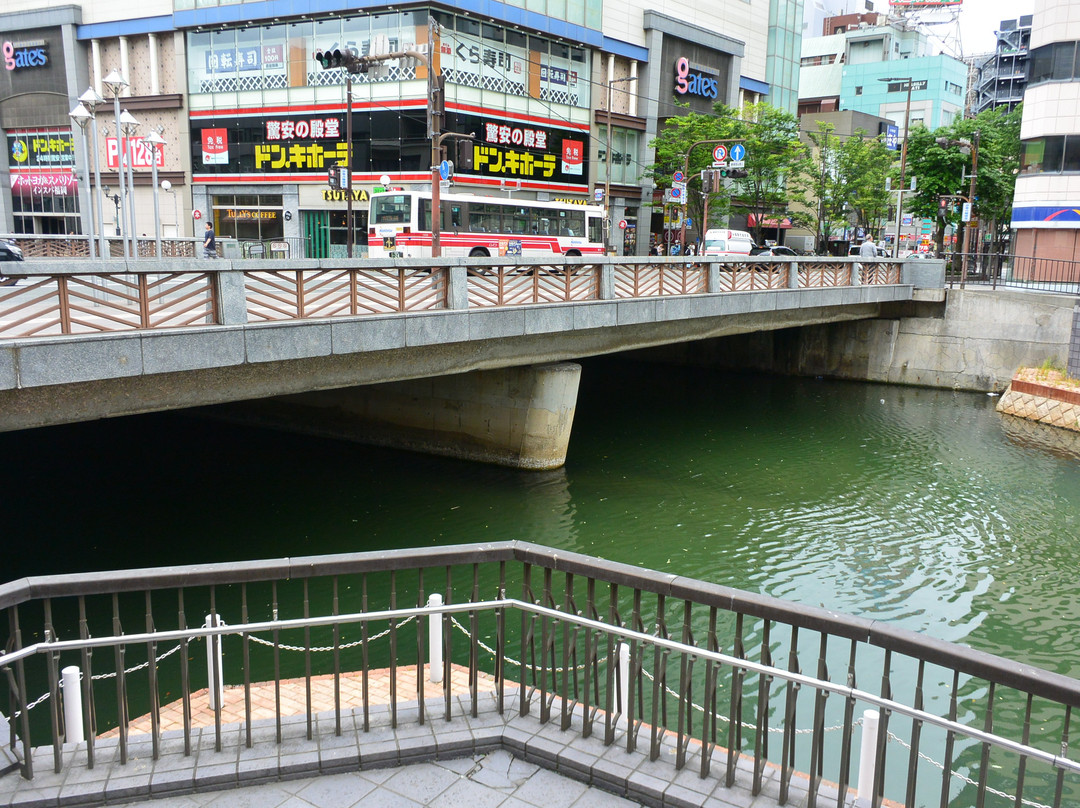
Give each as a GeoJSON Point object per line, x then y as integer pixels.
{"type": "Point", "coordinates": [892, 137]}
{"type": "Point", "coordinates": [445, 169]}
{"type": "Point", "coordinates": [737, 152]}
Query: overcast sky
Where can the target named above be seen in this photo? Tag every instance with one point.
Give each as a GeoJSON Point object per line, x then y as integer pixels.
{"type": "Point", "coordinates": [980, 18]}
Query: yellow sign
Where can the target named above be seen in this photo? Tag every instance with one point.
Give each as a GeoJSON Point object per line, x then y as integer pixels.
{"type": "Point", "coordinates": [298, 156]}
{"type": "Point", "coordinates": [358, 195]}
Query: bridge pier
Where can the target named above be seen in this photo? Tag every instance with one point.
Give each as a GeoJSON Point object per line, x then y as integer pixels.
{"type": "Point", "coordinates": [519, 417]}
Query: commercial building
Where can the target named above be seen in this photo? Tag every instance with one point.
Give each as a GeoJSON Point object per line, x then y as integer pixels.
{"type": "Point", "coordinates": [1000, 79]}
{"type": "Point", "coordinates": [253, 123]}
{"type": "Point", "coordinates": [1046, 203]}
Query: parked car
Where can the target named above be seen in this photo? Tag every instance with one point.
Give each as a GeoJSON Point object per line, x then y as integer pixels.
{"type": "Point", "coordinates": [9, 251]}
{"type": "Point", "coordinates": [779, 249]}
{"type": "Point", "coordinates": [727, 242]}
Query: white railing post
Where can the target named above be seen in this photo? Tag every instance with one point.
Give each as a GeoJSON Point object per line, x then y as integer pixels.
{"type": "Point", "coordinates": [435, 634]}
{"type": "Point", "coordinates": [71, 677]}
{"type": "Point", "coordinates": [624, 681]}
{"type": "Point", "coordinates": [868, 758]}
{"type": "Point", "coordinates": [215, 669]}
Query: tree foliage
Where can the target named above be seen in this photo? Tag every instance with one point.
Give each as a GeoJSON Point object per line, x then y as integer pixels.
{"type": "Point", "coordinates": [775, 161]}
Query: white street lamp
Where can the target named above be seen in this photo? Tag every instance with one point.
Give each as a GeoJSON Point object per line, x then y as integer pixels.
{"type": "Point", "coordinates": [166, 186]}
{"type": "Point", "coordinates": [81, 115]}
{"type": "Point", "coordinates": [91, 100]}
{"type": "Point", "coordinates": [129, 124]}
{"type": "Point", "coordinates": [155, 141]}
{"type": "Point", "coordinates": [116, 84]}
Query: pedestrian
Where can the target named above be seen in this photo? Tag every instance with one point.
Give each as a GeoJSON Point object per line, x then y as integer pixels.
{"type": "Point", "coordinates": [209, 242]}
{"type": "Point", "coordinates": [868, 249]}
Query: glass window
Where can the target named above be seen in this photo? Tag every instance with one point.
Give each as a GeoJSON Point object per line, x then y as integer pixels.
{"type": "Point", "coordinates": [394, 209]}
{"type": "Point", "coordinates": [1064, 57]}
{"type": "Point", "coordinates": [1055, 151]}
{"type": "Point", "coordinates": [1031, 156]}
{"type": "Point", "coordinates": [1072, 153]}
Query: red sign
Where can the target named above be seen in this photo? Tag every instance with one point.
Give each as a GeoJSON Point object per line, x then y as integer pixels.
{"type": "Point", "coordinates": [142, 155]}
{"type": "Point", "coordinates": [196, 214]}
{"type": "Point", "coordinates": [43, 184]}
{"type": "Point", "coordinates": [622, 224]}
{"type": "Point", "coordinates": [215, 147]}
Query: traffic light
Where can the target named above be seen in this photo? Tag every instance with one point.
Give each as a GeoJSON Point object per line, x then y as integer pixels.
{"type": "Point", "coordinates": [733, 173]}
{"type": "Point", "coordinates": [349, 58]}
{"type": "Point", "coordinates": [332, 177]}
{"type": "Point", "coordinates": [708, 184]}
{"type": "Point", "coordinates": [943, 207]}
{"type": "Point", "coordinates": [464, 161]}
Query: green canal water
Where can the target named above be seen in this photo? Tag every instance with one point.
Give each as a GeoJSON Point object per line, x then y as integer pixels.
{"type": "Point", "coordinates": [924, 508]}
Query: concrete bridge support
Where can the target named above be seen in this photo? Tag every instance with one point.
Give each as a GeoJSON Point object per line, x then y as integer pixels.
{"type": "Point", "coordinates": [518, 417]}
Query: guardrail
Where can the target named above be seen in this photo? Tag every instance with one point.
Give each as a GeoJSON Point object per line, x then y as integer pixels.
{"type": "Point", "coordinates": [995, 270]}
{"type": "Point", "coordinates": [50, 300]}
{"type": "Point", "coordinates": [707, 665]}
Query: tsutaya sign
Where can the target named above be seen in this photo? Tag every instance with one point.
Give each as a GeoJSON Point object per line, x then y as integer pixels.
{"type": "Point", "coordinates": [695, 79]}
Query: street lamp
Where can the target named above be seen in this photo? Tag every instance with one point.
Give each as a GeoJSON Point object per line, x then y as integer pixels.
{"type": "Point", "coordinates": [81, 115]}
{"type": "Point", "coordinates": [130, 125]}
{"type": "Point", "coordinates": [609, 220]}
{"type": "Point", "coordinates": [155, 141]}
{"type": "Point", "coordinates": [116, 84]}
{"type": "Point", "coordinates": [903, 161]}
{"type": "Point", "coordinates": [115, 199]}
{"type": "Point", "coordinates": [972, 144]}
{"type": "Point", "coordinates": [91, 100]}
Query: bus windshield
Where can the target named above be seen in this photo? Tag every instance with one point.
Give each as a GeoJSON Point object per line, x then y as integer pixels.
{"type": "Point", "coordinates": [391, 209]}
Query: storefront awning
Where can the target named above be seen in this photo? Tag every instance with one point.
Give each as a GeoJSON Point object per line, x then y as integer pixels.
{"type": "Point", "coordinates": [783, 224]}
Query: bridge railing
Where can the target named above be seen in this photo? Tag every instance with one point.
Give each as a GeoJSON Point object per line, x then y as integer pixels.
{"type": "Point", "coordinates": [637, 657]}
{"type": "Point", "coordinates": [53, 299]}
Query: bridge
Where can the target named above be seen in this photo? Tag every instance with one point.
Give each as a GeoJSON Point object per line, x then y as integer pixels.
{"type": "Point", "coordinates": [86, 340]}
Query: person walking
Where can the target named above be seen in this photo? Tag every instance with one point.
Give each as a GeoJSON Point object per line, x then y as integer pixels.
{"type": "Point", "coordinates": [868, 249]}
{"type": "Point", "coordinates": [209, 242]}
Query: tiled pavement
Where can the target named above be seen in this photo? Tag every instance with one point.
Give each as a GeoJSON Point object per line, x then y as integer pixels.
{"type": "Point", "coordinates": [515, 762]}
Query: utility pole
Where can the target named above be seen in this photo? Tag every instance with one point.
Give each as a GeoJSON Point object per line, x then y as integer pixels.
{"type": "Point", "coordinates": [436, 107]}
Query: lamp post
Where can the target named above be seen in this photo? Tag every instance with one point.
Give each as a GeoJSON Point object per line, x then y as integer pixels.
{"type": "Point", "coordinates": [91, 100]}
{"type": "Point", "coordinates": [81, 115]}
{"type": "Point", "coordinates": [155, 141]}
{"type": "Point", "coordinates": [130, 125]}
{"type": "Point", "coordinates": [115, 199]}
{"type": "Point", "coordinates": [972, 144]}
{"type": "Point", "coordinates": [115, 84]}
{"type": "Point", "coordinates": [609, 221]}
{"type": "Point", "coordinates": [903, 161]}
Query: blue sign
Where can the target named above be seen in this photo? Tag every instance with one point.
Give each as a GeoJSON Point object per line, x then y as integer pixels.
{"type": "Point", "coordinates": [444, 169]}
{"type": "Point", "coordinates": [892, 137]}
{"type": "Point", "coordinates": [737, 152]}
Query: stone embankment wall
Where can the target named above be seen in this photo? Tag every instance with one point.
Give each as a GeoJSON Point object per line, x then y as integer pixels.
{"type": "Point", "coordinates": [973, 339]}
{"type": "Point", "coordinates": [1044, 403]}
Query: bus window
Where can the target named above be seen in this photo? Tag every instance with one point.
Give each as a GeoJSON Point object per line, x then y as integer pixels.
{"type": "Point", "coordinates": [596, 229]}
{"type": "Point", "coordinates": [455, 216]}
{"type": "Point", "coordinates": [517, 221]}
{"type": "Point", "coordinates": [392, 209]}
{"type": "Point", "coordinates": [485, 218]}
{"type": "Point", "coordinates": [425, 214]}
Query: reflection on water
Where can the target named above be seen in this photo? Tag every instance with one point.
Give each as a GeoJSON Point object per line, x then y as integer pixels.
{"type": "Point", "coordinates": [925, 508]}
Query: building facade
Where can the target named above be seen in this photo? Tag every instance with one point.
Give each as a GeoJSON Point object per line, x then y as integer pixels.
{"type": "Point", "coordinates": [1046, 203]}
{"type": "Point", "coordinates": [253, 124]}
{"type": "Point", "coordinates": [1000, 79]}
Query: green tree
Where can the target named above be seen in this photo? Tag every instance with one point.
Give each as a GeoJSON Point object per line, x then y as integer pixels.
{"type": "Point", "coordinates": [775, 161]}
{"type": "Point", "coordinates": [944, 170]}
{"type": "Point", "coordinates": [846, 181]}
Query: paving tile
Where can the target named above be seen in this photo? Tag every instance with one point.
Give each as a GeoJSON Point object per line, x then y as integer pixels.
{"type": "Point", "coordinates": [549, 790]}
{"type": "Point", "coordinates": [340, 791]}
{"type": "Point", "coordinates": [421, 782]}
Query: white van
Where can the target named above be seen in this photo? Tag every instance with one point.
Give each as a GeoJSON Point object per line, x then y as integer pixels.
{"type": "Point", "coordinates": [727, 242]}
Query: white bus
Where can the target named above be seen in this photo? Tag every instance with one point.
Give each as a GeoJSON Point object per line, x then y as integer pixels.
{"type": "Point", "coordinates": [399, 223]}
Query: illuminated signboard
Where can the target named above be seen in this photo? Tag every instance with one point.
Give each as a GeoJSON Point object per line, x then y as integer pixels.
{"type": "Point", "coordinates": [515, 151]}
{"type": "Point", "coordinates": [40, 149]}
{"type": "Point", "coordinates": [695, 80]}
{"type": "Point", "coordinates": [22, 55]}
{"type": "Point", "coordinates": [142, 154]}
{"type": "Point", "coordinates": [924, 3]}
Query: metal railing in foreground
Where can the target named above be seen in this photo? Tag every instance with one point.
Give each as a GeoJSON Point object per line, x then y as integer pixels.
{"type": "Point", "coordinates": [96, 297]}
{"type": "Point", "coordinates": [771, 680]}
{"type": "Point", "coordinates": [1061, 276]}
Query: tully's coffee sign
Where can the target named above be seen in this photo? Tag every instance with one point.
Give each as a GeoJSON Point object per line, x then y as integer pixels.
{"type": "Point", "coordinates": [23, 55]}
{"type": "Point", "coordinates": [249, 215]}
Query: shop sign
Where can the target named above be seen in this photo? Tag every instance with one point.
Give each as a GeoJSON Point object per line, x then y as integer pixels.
{"type": "Point", "coordinates": [692, 80]}
{"type": "Point", "coordinates": [43, 184]}
{"type": "Point", "coordinates": [331, 195]}
{"type": "Point", "coordinates": [41, 150]}
{"type": "Point", "coordinates": [510, 151]}
{"type": "Point", "coordinates": [565, 200]}
{"type": "Point", "coordinates": [142, 156]}
{"type": "Point", "coordinates": [22, 55]}
{"type": "Point", "coordinates": [508, 63]}
{"type": "Point", "coordinates": [245, 58]}
{"type": "Point", "coordinates": [303, 129]}
{"type": "Point", "coordinates": [215, 147]}
{"type": "Point", "coordinates": [248, 215]}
